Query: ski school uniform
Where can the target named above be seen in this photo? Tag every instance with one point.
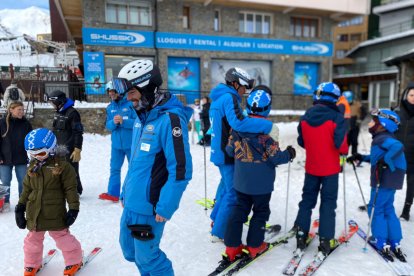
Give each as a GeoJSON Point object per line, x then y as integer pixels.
{"type": "Point", "coordinates": [256, 156]}
{"type": "Point", "coordinates": [386, 227]}
{"type": "Point", "coordinates": [321, 129]}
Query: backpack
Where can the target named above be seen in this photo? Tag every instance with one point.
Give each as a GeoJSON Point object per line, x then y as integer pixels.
{"type": "Point", "coordinates": [14, 94]}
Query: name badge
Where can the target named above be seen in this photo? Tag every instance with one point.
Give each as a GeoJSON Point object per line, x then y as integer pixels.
{"type": "Point", "coordinates": [145, 146]}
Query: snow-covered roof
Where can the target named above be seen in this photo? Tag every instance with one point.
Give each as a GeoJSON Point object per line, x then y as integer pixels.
{"type": "Point", "coordinates": [390, 61]}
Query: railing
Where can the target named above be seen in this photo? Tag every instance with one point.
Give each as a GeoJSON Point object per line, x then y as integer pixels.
{"type": "Point", "coordinates": [359, 68]}
{"type": "Point", "coordinates": [394, 29]}
{"type": "Point", "coordinates": [385, 2]}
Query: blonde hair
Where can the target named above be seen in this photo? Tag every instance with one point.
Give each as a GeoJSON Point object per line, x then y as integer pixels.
{"type": "Point", "coordinates": [9, 108]}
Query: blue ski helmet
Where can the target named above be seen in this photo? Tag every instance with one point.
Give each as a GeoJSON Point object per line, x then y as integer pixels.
{"type": "Point", "coordinates": [109, 86]}
{"type": "Point", "coordinates": [387, 118]}
{"type": "Point", "coordinates": [259, 101]}
{"type": "Point", "coordinates": [40, 139]}
{"type": "Point", "coordinates": [327, 92]}
{"type": "Point", "coordinates": [349, 95]}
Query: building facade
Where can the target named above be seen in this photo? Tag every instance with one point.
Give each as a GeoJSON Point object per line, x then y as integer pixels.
{"type": "Point", "coordinates": [287, 47]}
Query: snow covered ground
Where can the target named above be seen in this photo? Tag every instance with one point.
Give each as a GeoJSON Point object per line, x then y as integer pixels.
{"type": "Point", "coordinates": [186, 236]}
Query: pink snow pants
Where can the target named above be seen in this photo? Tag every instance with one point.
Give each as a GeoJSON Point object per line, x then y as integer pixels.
{"type": "Point", "coordinates": [65, 241]}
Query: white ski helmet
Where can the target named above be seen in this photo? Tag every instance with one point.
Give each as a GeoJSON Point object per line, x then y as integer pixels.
{"type": "Point", "coordinates": [240, 76]}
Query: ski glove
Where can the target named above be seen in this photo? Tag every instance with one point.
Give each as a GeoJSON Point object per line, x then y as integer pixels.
{"type": "Point", "coordinates": [71, 216]}
{"type": "Point", "coordinates": [19, 214]}
{"type": "Point", "coordinates": [354, 157]}
{"type": "Point", "coordinates": [292, 152]}
{"type": "Point", "coordinates": [76, 155]}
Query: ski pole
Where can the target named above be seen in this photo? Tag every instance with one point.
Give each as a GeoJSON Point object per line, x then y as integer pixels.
{"type": "Point", "coordinates": [205, 178]}
{"type": "Point", "coordinates": [287, 196]}
{"type": "Point", "coordinates": [359, 184]}
{"type": "Point", "coordinates": [379, 167]}
{"type": "Point", "coordinates": [343, 180]}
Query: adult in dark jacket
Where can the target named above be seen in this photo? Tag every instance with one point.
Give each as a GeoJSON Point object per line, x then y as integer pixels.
{"type": "Point", "coordinates": [205, 119]}
{"type": "Point", "coordinates": [13, 130]}
{"type": "Point", "coordinates": [405, 134]}
{"type": "Point", "coordinates": [67, 127]}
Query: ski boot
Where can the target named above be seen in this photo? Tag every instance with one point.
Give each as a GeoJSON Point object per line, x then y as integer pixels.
{"type": "Point", "coordinates": [71, 270]}
{"type": "Point", "coordinates": [232, 253]}
{"type": "Point", "coordinates": [106, 196]}
{"type": "Point", "coordinates": [254, 251]}
{"type": "Point", "coordinates": [31, 271]}
{"type": "Point", "coordinates": [301, 237]}
{"type": "Point", "coordinates": [386, 252]}
{"type": "Point", "coordinates": [326, 245]}
{"type": "Point", "coordinates": [396, 250]}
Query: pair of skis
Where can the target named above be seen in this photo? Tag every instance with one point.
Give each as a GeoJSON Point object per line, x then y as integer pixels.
{"type": "Point", "coordinates": [86, 259]}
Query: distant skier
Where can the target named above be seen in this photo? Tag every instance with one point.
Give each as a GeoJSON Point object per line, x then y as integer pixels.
{"type": "Point", "coordinates": [13, 94]}
{"type": "Point", "coordinates": [120, 117]}
{"type": "Point", "coordinates": [49, 185]}
{"type": "Point", "coordinates": [256, 157]}
{"type": "Point", "coordinates": [321, 133]}
{"type": "Point", "coordinates": [388, 167]}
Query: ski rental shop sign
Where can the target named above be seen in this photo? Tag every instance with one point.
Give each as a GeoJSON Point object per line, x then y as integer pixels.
{"type": "Point", "coordinates": [135, 38]}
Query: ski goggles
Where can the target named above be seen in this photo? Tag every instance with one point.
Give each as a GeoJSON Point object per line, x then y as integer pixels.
{"type": "Point", "coordinates": [38, 152]}
{"type": "Point", "coordinates": [378, 113]}
{"type": "Point", "coordinates": [121, 85]}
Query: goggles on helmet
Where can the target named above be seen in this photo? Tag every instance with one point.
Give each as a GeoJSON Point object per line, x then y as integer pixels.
{"type": "Point", "coordinates": [377, 113]}
{"type": "Point", "coordinates": [121, 85]}
{"type": "Point", "coordinates": [38, 152]}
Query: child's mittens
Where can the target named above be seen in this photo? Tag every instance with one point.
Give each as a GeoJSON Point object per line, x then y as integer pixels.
{"type": "Point", "coordinates": [19, 215]}
{"type": "Point", "coordinates": [71, 216]}
{"type": "Point", "coordinates": [292, 152]}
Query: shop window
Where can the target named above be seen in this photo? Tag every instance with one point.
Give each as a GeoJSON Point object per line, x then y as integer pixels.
{"type": "Point", "coordinates": [304, 27]}
{"type": "Point", "coordinates": [133, 14]}
{"type": "Point", "coordinates": [342, 37]}
{"type": "Point", "coordinates": [186, 17]}
{"type": "Point", "coordinates": [255, 23]}
{"type": "Point", "coordinates": [217, 21]}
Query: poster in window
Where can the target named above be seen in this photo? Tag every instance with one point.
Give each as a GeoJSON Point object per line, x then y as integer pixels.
{"type": "Point", "coordinates": [184, 77]}
{"type": "Point", "coordinates": [259, 70]}
{"type": "Point", "coordinates": [305, 78]}
{"type": "Point", "coordinates": [94, 72]}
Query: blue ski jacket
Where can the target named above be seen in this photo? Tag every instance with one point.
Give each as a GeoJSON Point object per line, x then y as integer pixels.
{"type": "Point", "coordinates": [386, 147]}
{"type": "Point", "coordinates": [121, 136]}
{"type": "Point", "coordinates": [226, 113]}
{"type": "Point", "coordinates": [160, 166]}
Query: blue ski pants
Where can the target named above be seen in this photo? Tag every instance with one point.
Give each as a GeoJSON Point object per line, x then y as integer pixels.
{"type": "Point", "coordinates": [227, 201]}
{"type": "Point", "coordinates": [328, 187]}
{"type": "Point", "coordinates": [385, 227]}
{"type": "Point", "coordinates": [117, 160]}
{"type": "Point", "coordinates": [147, 255]}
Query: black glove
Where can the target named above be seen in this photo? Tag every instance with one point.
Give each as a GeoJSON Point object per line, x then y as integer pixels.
{"type": "Point", "coordinates": [71, 216]}
{"type": "Point", "coordinates": [292, 152]}
{"type": "Point", "coordinates": [354, 157]}
{"type": "Point", "coordinates": [19, 214]}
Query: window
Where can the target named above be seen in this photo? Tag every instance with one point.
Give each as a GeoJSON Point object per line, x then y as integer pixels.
{"type": "Point", "coordinates": [304, 27]}
{"type": "Point", "coordinates": [255, 23]}
{"type": "Point", "coordinates": [217, 21]}
{"type": "Point", "coordinates": [356, 37]}
{"type": "Point", "coordinates": [342, 37]}
{"type": "Point", "coordinates": [133, 14]}
{"type": "Point", "coordinates": [340, 54]}
{"type": "Point", "coordinates": [186, 17]}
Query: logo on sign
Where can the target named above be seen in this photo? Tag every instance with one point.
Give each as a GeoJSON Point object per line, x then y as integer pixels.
{"type": "Point", "coordinates": [129, 37]}
{"type": "Point", "coordinates": [316, 47]}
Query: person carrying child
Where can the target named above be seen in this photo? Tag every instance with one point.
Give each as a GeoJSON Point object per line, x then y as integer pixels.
{"type": "Point", "coordinates": [256, 156]}
{"type": "Point", "coordinates": [388, 167]}
{"type": "Point", "coordinates": [49, 184]}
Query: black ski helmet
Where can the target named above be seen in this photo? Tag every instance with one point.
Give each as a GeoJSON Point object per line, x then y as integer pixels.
{"type": "Point", "coordinates": [57, 98]}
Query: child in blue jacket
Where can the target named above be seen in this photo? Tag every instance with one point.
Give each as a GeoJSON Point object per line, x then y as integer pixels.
{"type": "Point", "coordinates": [388, 168]}
{"type": "Point", "coordinates": [256, 156]}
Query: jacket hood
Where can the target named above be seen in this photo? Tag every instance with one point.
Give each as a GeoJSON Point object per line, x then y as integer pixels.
{"type": "Point", "coordinates": [174, 105]}
{"type": "Point", "coordinates": [68, 104]}
{"type": "Point", "coordinates": [222, 89]}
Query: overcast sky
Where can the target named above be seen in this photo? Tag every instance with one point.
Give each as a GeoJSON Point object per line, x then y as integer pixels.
{"type": "Point", "coordinates": [22, 4]}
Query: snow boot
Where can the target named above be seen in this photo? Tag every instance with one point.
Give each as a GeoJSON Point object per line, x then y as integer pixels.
{"type": "Point", "coordinates": [406, 211]}
{"type": "Point", "coordinates": [106, 196]}
{"type": "Point", "coordinates": [232, 253]}
{"type": "Point", "coordinates": [70, 270]}
{"type": "Point", "coordinates": [31, 271]}
{"type": "Point", "coordinates": [254, 251]}
{"type": "Point", "coordinates": [301, 237]}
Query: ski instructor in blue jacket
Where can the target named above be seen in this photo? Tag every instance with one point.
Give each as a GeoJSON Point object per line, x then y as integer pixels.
{"type": "Point", "coordinates": [226, 114]}
{"type": "Point", "coordinates": [160, 166]}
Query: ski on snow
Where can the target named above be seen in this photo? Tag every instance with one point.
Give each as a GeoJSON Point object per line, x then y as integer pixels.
{"type": "Point", "coordinates": [229, 268]}
{"type": "Point", "coordinates": [88, 258]}
{"type": "Point", "coordinates": [318, 260]}
{"type": "Point", "coordinates": [47, 258]}
{"type": "Point", "coordinates": [398, 267]}
{"type": "Point", "coordinates": [294, 262]}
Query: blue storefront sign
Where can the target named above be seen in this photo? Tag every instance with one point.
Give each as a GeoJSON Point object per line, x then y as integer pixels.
{"type": "Point", "coordinates": [238, 44]}
{"type": "Point", "coordinates": [134, 38]}
{"type": "Point", "coordinates": [184, 77]}
{"type": "Point", "coordinates": [305, 78]}
{"type": "Point", "coordinates": [125, 38]}
{"type": "Point", "coordinates": [94, 72]}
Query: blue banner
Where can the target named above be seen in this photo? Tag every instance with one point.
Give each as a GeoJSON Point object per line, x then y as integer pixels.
{"type": "Point", "coordinates": [94, 72]}
{"type": "Point", "coordinates": [306, 78]}
{"type": "Point", "coordinates": [238, 44]}
{"type": "Point", "coordinates": [184, 77]}
{"type": "Point", "coordinates": [125, 38]}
